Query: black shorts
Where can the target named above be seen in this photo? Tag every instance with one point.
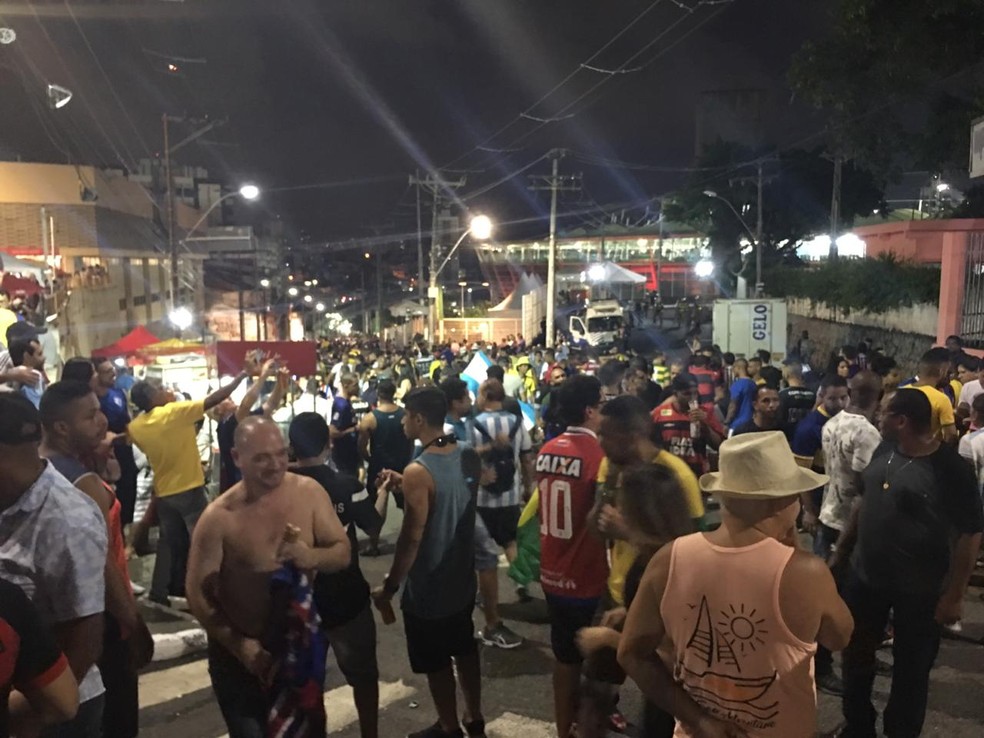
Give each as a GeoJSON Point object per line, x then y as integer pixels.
{"type": "Point", "coordinates": [431, 643]}
{"type": "Point", "coordinates": [354, 644]}
{"type": "Point", "coordinates": [501, 523]}
{"type": "Point", "coordinates": [567, 616]}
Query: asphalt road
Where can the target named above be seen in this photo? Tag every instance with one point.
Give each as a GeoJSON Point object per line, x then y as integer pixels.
{"type": "Point", "coordinates": [176, 699]}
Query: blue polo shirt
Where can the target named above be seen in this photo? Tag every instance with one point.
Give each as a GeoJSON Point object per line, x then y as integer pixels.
{"type": "Point", "coordinates": [808, 439]}
{"type": "Point", "coordinates": [114, 406]}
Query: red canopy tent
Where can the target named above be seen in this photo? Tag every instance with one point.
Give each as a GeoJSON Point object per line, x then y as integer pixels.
{"type": "Point", "coordinates": [131, 343]}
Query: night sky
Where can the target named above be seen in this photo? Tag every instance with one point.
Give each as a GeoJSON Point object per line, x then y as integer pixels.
{"type": "Point", "coordinates": [349, 96]}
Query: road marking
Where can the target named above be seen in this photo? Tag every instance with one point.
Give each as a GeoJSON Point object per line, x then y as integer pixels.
{"type": "Point", "coordinates": [510, 725]}
{"type": "Point", "coordinates": [340, 706]}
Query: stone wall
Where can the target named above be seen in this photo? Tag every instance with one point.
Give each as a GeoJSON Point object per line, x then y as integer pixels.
{"type": "Point", "coordinates": [830, 329]}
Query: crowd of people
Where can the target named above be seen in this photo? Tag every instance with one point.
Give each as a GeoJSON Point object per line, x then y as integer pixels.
{"type": "Point", "coordinates": [672, 496]}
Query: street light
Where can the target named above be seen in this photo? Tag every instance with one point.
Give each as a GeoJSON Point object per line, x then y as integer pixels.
{"type": "Point", "coordinates": [181, 318]}
{"type": "Point", "coordinates": [308, 298]}
{"type": "Point", "coordinates": [265, 283]}
{"type": "Point", "coordinates": [704, 268]}
{"type": "Point", "coordinates": [480, 227]}
{"type": "Point", "coordinates": [756, 237]}
{"type": "Point", "coordinates": [320, 307]}
{"type": "Point", "coordinates": [292, 291]}
{"type": "Point", "coordinates": [246, 191]}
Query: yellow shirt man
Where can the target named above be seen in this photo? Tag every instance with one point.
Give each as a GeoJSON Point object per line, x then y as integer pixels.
{"type": "Point", "coordinates": [623, 553]}
{"type": "Point", "coordinates": [167, 437]}
{"type": "Point", "coordinates": [943, 419]}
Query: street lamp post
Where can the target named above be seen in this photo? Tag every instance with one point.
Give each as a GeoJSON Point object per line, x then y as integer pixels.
{"type": "Point", "coordinates": [756, 238]}
{"type": "Point", "coordinates": [247, 192]}
{"type": "Point", "coordinates": [480, 228]}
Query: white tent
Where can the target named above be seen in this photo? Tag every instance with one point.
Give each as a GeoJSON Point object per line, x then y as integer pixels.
{"type": "Point", "coordinates": [514, 301]}
{"type": "Point", "coordinates": [14, 265]}
{"type": "Point", "coordinates": [407, 307]}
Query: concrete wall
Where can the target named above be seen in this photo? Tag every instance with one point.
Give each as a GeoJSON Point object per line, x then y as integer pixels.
{"type": "Point", "coordinates": [904, 334]}
{"type": "Point", "coordinates": [921, 319]}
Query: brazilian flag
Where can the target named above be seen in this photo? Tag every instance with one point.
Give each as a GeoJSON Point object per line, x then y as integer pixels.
{"type": "Point", "coordinates": [526, 567]}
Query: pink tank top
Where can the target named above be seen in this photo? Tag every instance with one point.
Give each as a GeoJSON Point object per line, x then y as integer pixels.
{"type": "Point", "coordinates": [729, 646]}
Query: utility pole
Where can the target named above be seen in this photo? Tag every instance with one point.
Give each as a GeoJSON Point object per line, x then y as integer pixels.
{"type": "Point", "coordinates": [835, 203]}
{"type": "Point", "coordinates": [555, 184]}
{"type": "Point", "coordinates": [435, 184]}
{"type": "Point", "coordinates": [172, 245]}
{"type": "Point", "coordinates": [420, 245]}
{"type": "Point", "coordinates": [758, 238]}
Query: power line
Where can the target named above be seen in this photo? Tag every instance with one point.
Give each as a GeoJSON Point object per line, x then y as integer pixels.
{"type": "Point", "coordinates": [625, 29]}
{"type": "Point", "coordinates": [109, 82]}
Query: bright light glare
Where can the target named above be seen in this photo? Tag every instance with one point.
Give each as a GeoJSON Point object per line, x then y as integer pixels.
{"type": "Point", "coordinates": [596, 273]}
{"type": "Point", "coordinates": [120, 362]}
{"type": "Point", "coordinates": [181, 318]}
{"type": "Point", "coordinates": [264, 283]}
{"type": "Point", "coordinates": [249, 192]}
{"type": "Point", "coordinates": [320, 307]}
{"type": "Point", "coordinates": [942, 187]}
{"type": "Point", "coordinates": [308, 298]}
{"type": "Point", "coordinates": [704, 268]}
{"type": "Point", "coordinates": [481, 227]}
{"type": "Point", "coordinates": [710, 193]}
{"type": "Point", "coordinates": [292, 292]}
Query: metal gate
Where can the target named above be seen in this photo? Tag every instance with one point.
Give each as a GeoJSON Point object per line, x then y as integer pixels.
{"type": "Point", "coordinates": [972, 323]}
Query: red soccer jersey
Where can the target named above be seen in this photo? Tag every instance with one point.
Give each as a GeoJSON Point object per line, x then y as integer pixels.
{"type": "Point", "coordinates": [573, 562]}
{"type": "Point", "coordinates": [674, 432]}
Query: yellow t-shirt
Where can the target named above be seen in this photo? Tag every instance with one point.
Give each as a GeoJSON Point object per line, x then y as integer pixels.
{"type": "Point", "coordinates": [957, 387]}
{"type": "Point", "coordinates": [942, 407]}
{"type": "Point", "coordinates": [168, 439]}
{"type": "Point", "coordinates": [623, 554]}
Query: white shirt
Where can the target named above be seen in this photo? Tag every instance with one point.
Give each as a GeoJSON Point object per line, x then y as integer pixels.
{"type": "Point", "coordinates": [512, 383]}
{"type": "Point", "coordinates": [972, 448]}
{"type": "Point", "coordinates": [499, 423]}
{"type": "Point", "coordinates": [970, 390]}
{"type": "Point", "coordinates": [849, 441]}
{"type": "Point", "coordinates": [306, 403]}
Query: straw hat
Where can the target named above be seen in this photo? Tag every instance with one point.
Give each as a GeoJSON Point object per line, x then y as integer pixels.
{"type": "Point", "coordinates": [760, 466]}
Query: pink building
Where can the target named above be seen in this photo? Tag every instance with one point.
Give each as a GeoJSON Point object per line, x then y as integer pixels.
{"type": "Point", "coordinates": [958, 247]}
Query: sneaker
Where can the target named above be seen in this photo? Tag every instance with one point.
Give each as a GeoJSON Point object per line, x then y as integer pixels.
{"type": "Point", "coordinates": [475, 729]}
{"type": "Point", "coordinates": [830, 683]}
{"type": "Point", "coordinates": [523, 595]}
{"type": "Point", "coordinates": [501, 637]}
{"type": "Point", "coordinates": [436, 731]}
{"type": "Point", "coordinates": [137, 589]}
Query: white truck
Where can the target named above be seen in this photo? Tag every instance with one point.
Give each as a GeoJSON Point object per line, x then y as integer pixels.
{"type": "Point", "coordinates": [600, 325]}
{"type": "Point", "coordinates": [744, 327]}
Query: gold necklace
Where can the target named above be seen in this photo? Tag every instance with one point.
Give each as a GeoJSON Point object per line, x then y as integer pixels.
{"type": "Point", "coordinates": [891, 458]}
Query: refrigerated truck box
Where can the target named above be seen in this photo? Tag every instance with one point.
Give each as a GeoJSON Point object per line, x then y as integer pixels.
{"type": "Point", "coordinates": [744, 327]}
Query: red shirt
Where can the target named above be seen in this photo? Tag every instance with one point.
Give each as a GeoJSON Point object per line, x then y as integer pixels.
{"type": "Point", "coordinates": [673, 428]}
{"type": "Point", "coordinates": [707, 380]}
{"type": "Point", "coordinates": [573, 561]}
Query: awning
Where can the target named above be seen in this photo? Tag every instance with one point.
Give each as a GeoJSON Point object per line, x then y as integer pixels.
{"type": "Point", "coordinates": [172, 347]}
{"type": "Point", "coordinates": [130, 344]}
{"type": "Point", "coordinates": [23, 267]}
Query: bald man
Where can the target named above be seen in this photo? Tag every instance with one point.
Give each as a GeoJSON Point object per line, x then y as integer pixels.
{"type": "Point", "coordinates": [238, 543]}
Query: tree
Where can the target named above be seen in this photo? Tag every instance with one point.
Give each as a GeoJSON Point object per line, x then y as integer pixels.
{"type": "Point", "coordinates": [795, 200]}
{"type": "Point", "coordinates": [897, 78]}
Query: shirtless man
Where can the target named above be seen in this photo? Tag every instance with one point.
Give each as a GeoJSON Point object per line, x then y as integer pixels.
{"type": "Point", "coordinates": [238, 543]}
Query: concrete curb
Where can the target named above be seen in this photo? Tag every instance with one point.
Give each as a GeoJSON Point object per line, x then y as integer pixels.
{"type": "Point", "coordinates": [176, 644]}
{"type": "Point", "coordinates": [170, 646]}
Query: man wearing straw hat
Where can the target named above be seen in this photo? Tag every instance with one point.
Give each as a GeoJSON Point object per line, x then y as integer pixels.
{"type": "Point", "coordinates": [740, 608]}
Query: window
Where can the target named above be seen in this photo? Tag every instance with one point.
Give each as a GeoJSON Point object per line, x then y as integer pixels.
{"type": "Point", "coordinates": [606, 323]}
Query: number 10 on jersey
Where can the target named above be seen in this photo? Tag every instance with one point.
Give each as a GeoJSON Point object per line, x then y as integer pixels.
{"type": "Point", "coordinates": [555, 509]}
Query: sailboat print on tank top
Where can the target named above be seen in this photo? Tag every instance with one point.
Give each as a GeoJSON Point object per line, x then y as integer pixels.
{"type": "Point", "coordinates": [711, 669]}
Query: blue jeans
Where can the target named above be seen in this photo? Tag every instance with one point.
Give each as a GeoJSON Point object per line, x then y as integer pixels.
{"type": "Point", "coordinates": [177, 515]}
{"type": "Point", "coordinates": [917, 641]}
